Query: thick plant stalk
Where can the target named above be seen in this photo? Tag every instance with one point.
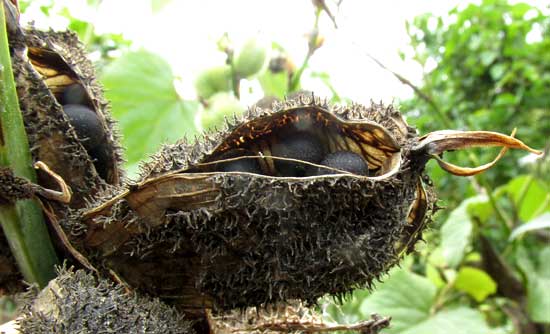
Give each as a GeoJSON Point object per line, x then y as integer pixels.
{"type": "Point", "coordinates": [22, 221]}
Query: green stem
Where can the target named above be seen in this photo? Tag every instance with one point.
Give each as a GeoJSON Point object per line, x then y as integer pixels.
{"type": "Point", "coordinates": [295, 80]}
{"type": "Point", "coordinates": [22, 222]}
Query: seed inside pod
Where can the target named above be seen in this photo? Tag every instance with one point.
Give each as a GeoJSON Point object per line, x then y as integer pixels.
{"type": "Point", "coordinates": [300, 146]}
{"type": "Point", "coordinates": [74, 94]}
{"type": "Point", "coordinates": [87, 125]}
{"type": "Point", "coordinates": [342, 160]}
{"type": "Point", "coordinates": [247, 165]}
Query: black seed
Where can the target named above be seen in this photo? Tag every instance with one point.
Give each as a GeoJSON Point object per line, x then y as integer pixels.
{"type": "Point", "coordinates": [87, 125]}
{"type": "Point", "coordinates": [247, 165]}
{"type": "Point", "coordinates": [74, 94]}
{"type": "Point", "coordinates": [342, 160]}
{"type": "Point", "coordinates": [101, 159]}
{"type": "Point", "coordinates": [300, 146]}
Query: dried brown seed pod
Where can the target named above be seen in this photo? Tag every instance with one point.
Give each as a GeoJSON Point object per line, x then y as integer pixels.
{"type": "Point", "coordinates": [51, 69]}
{"type": "Point", "coordinates": [199, 236]}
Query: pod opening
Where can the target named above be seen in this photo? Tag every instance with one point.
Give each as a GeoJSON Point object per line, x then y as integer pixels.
{"type": "Point", "coordinates": [303, 142]}
{"type": "Point", "coordinates": [78, 106]}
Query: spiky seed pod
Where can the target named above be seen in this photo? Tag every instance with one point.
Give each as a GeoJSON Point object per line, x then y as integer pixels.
{"type": "Point", "coordinates": [78, 302]}
{"type": "Point", "coordinates": [51, 70]}
{"type": "Point", "coordinates": [200, 236]}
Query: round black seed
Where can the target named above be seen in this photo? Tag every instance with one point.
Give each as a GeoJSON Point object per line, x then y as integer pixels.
{"type": "Point", "coordinates": [247, 165]}
{"type": "Point", "coordinates": [74, 94]}
{"type": "Point", "coordinates": [86, 124]}
{"type": "Point", "coordinates": [342, 160]}
{"type": "Point", "coordinates": [300, 146]}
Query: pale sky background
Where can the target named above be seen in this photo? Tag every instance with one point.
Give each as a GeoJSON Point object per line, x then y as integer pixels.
{"type": "Point", "coordinates": [185, 34]}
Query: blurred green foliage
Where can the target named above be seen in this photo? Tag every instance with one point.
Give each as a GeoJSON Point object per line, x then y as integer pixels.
{"type": "Point", "coordinates": [487, 67]}
{"type": "Point", "coordinates": [484, 268]}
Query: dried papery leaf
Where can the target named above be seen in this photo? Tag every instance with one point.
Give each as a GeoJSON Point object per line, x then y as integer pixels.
{"type": "Point", "coordinates": [468, 171]}
{"type": "Point", "coordinates": [15, 188]}
{"type": "Point", "coordinates": [63, 196]}
{"type": "Point", "coordinates": [417, 219]}
{"type": "Point", "coordinates": [293, 317]}
{"type": "Point", "coordinates": [438, 142]}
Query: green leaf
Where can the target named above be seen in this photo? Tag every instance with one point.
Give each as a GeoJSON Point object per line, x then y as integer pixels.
{"type": "Point", "coordinates": [461, 320]}
{"type": "Point", "coordinates": [433, 275]}
{"type": "Point", "coordinates": [487, 57]}
{"type": "Point", "coordinates": [505, 99]}
{"type": "Point", "coordinates": [457, 229]}
{"type": "Point", "coordinates": [538, 283]}
{"type": "Point", "coordinates": [475, 282]}
{"type": "Point", "coordinates": [140, 87]}
{"type": "Point", "coordinates": [540, 222]}
{"type": "Point", "coordinates": [405, 296]}
{"type": "Point", "coordinates": [274, 84]}
{"type": "Point", "coordinates": [480, 208]}
{"type": "Point", "coordinates": [528, 195]}
{"type": "Point", "coordinates": [497, 71]}
{"type": "Point", "coordinates": [409, 299]}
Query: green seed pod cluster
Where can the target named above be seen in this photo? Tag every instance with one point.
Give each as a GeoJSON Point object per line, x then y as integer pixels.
{"type": "Point", "coordinates": [219, 106]}
{"type": "Point", "coordinates": [292, 201]}
{"type": "Point", "coordinates": [66, 117]}
{"type": "Point", "coordinates": [250, 59]}
{"type": "Point", "coordinates": [213, 80]}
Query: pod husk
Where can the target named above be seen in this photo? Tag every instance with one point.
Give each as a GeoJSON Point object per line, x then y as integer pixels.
{"type": "Point", "coordinates": [236, 239]}
{"type": "Point", "coordinates": [201, 238]}
{"type": "Point", "coordinates": [79, 302]}
{"type": "Point", "coordinates": [44, 64]}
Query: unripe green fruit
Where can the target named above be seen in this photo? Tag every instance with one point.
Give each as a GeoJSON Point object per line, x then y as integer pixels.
{"type": "Point", "coordinates": [250, 59]}
{"type": "Point", "coordinates": [220, 105]}
{"type": "Point", "coordinates": [213, 80]}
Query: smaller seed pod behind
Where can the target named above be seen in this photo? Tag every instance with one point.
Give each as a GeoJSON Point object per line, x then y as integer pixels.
{"type": "Point", "coordinates": [66, 117]}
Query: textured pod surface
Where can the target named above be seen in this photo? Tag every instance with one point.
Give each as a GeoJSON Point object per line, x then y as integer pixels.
{"type": "Point", "coordinates": [78, 302]}
{"type": "Point", "coordinates": [200, 236]}
{"type": "Point", "coordinates": [50, 70]}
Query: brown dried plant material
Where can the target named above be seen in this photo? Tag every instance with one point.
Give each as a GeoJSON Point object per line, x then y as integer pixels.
{"type": "Point", "coordinates": [79, 302]}
{"type": "Point", "coordinates": [53, 76]}
{"type": "Point", "coordinates": [228, 222]}
{"type": "Point", "coordinates": [292, 201]}
{"type": "Point", "coordinates": [291, 317]}
{"type": "Point", "coordinates": [51, 71]}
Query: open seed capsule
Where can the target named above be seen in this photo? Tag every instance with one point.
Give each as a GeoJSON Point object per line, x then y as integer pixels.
{"type": "Point", "coordinates": [190, 232]}
{"type": "Point", "coordinates": [51, 70]}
